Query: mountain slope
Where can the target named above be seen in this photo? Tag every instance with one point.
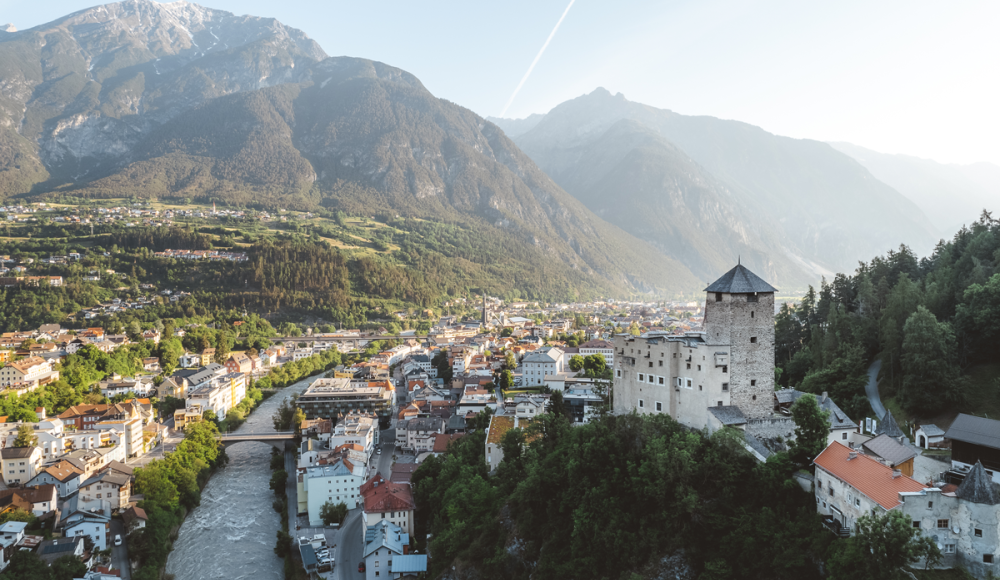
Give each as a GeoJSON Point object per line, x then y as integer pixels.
{"type": "Point", "coordinates": [175, 100]}
{"type": "Point", "coordinates": [826, 210]}
{"type": "Point", "coordinates": [950, 195]}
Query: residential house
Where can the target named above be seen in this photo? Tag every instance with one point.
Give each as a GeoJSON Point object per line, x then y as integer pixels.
{"type": "Point", "coordinates": [20, 464]}
{"type": "Point", "coordinates": [849, 485]}
{"type": "Point", "coordinates": [544, 361]}
{"type": "Point", "coordinates": [336, 483]}
{"type": "Point", "coordinates": [51, 550]}
{"type": "Point", "coordinates": [386, 553]}
{"type": "Point", "coordinates": [95, 525]}
{"type": "Point", "coordinates": [207, 356]}
{"type": "Point", "coordinates": [106, 490]}
{"type": "Point", "coordinates": [134, 518]}
{"type": "Point", "coordinates": [384, 500]}
{"type": "Point", "coordinates": [357, 427]}
{"type": "Point", "coordinates": [601, 347]}
{"type": "Point", "coordinates": [842, 429]}
{"type": "Point", "coordinates": [64, 475]}
{"type": "Point", "coordinates": [974, 440]}
{"type": "Point", "coordinates": [418, 434]}
{"type": "Point", "coordinates": [239, 363]}
{"type": "Point", "coordinates": [40, 499]}
{"type": "Point", "coordinates": [189, 360]}
{"type": "Point", "coordinates": [29, 372]}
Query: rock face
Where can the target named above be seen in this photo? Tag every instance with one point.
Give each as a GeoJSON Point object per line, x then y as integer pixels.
{"type": "Point", "coordinates": [177, 100]}
{"type": "Point", "coordinates": [701, 184]}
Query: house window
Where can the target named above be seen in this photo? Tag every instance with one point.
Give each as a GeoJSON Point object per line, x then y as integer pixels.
{"type": "Point", "coordinates": [650, 364]}
{"type": "Point", "coordinates": [949, 548]}
{"type": "Point", "coordinates": [618, 373]}
{"type": "Point", "coordinates": [930, 505]}
{"type": "Point", "coordinates": [641, 404]}
{"type": "Point", "coordinates": [699, 367]}
{"type": "Point", "coordinates": [857, 502]}
{"type": "Point", "coordinates": [819, 484]}
{"type": "Point", "coordinates": [659, 406]}
{"type": "Point", "coordinates": [987, 558]}
{"type": "Point", "coordinates": [843, 436]}
{"type": "Point", "coordinates": [978, 533]}
{"type": "Point", "coordinates": [942, 524]}
{"type": "Point", "coordinates": [753, 340]}
{"type": "Point", "coordinates": [916, 524]}
{"type": "Point", "coordinates": [725, 386]}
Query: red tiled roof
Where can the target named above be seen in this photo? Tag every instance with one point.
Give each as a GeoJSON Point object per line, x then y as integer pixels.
{"type": "Point", "coordinates": [866, 475]}
{"type": "Point", "coordinates": [387, 497]}
{"type": "Point", "coordinates": [441, 441]}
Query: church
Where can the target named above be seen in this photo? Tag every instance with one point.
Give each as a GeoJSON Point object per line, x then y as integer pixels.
{"type": "Point", "coordinates": [723, 375]}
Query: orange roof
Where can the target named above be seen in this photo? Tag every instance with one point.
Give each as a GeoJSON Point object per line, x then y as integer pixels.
{"type": "Point", "coordinates": [866, 475]}
{"type": "Point", "coordinates": [441, 441]}
{"type": "Point", "coordinates": [385, 496]}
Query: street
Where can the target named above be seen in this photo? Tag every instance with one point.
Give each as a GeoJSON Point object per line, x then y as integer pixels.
{"type": "Point", "coordinates": [350, 548]}
{"type": "Point", "coordinates": [119, 554]}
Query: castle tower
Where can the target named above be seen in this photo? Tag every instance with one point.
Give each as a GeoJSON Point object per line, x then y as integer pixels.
{"type": "Point", "coordinates": [739, 313]}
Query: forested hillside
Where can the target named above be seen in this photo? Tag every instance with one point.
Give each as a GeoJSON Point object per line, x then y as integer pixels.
{"type": "Point", "coordinates": [933, 321]}
{"type": "Point", "coordinates": [177, 101]}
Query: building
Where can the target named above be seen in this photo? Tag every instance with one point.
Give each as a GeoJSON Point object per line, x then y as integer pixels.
{"type": "Point", "coordinates": [499, 426]}
{"type": "Point", "coordinates": [890, 452]}
{"type": "Point", "coordinates": [335, 483]}
{"type": "Point", "coordinates": [731, 363]}
{"type": "Point", "coordinates": [842, 429]}
{"type": "Point", "coordinates": [928, 435]}
{"type": "Point", "coordinates": [239, 363]}
{"type": "Point", "coordinates": [20, 464]}
{"type": "Point", "coordinates": [417, 434]}
{"type": "Point", "coordinates": [39, 499]}
{"type": "Point", "coordinates": [106, 490]}
{"type": "Point", "coordinates": [64, 475]}
{"type": "Point", "coordinates": [386, 553]}
{"type": "Point", "coordinates": [28, 373]}
{"type": "Point", "coordinates": [849, 485]}
{"type": "Point", "coordinates": [356, 428]}
{"type": "Point", "coordinates": [331, 397]}
{"type": "Point", "coordinates": [387, 501]}
{"type": "Point", "coordinates": [52, 550]}
{"type": "Point", "coordinates": [95, 525]}
{"type": "Point", "coordinates": [544, 361]}
{"type": "Point", "coordinates": [974, 440]}
{"type": "Point", "coordinates": [962, 522]}
{"type": "Point", "coordinates": [601, 347]}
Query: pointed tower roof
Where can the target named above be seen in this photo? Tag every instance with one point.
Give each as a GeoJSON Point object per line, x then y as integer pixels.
{"type": "Point", "coordinates": [978, 487]}
{"type": "Point", "coordinates": [889, 426]}
{"type": "Point", "coordinates": [740, 280]}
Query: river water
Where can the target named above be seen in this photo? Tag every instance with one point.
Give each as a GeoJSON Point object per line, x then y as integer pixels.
{"type": "Point", "coordinates": [231, 535]}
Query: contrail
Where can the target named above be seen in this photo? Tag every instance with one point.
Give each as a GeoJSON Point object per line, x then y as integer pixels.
{"type": "Point", "coordinates": [534, 62]}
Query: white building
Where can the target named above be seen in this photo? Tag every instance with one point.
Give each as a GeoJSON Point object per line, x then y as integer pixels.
{"type": "Point", "coordinates": [544, 361]}
{"type": "Point", "coordinates": [20, 464]}
{"type": "Point", "coordinates": [357, 428]}
{"type": "Point", "coordinates": [335, 483]}
{"type": "Point", "coordinates": [601, 347]}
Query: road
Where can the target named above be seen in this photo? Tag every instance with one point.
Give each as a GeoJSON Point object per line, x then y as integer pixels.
{"type": "Point", "coordinates": [871, 389]}
{"type": "Point", "coordinates": [350, 547]}
{"type": "Point", "coordinates": [119, 554]}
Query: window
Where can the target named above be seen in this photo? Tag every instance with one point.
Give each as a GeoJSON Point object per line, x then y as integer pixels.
{"type": "Point", "coordinates": [699, 387]}
{"type": "Point", "coordinates": [753, 382]}
{"type": "Point", "coordinates": [857, 502]}
{"type": "Point", "coordinates": [725, 368]}
{"type": "Point", "coordinates": [978, 533]}
{"type": "Point", "coordinates": [725, 386]}
{"type": "Point", "coordinates": [819, 484]}
{"type": "Point", "coordinates": [650, 364]}
{"type": "Point", "coordinates": [661, 380]}
{"type": "Point", "coordinates": [659, 406]}
{"type": "Point", "coordinates": [949, 549]}
{"type": "Point", "coordinates": [942, 524]}
{"type": "Point", "coordinates": [718, 296]}
{"type": "Point", "coordinates": [753, 340]}
{"type": "Point", "coordinates": [843, 436]}
{"type": "Point", "coordinates": [751, 314]}
{"type": "Point", "coordinates": [752, 298]}
{"type": "Point", "coordinates": [699, 367]}
{"type": "Point", "coordinates": [720, 404]}
{"type": "Point", "coordinates": [689, 366]}
{"type": "Point", "coordinates": [930, 505]}
{"type": "Point", "coordinates": [661, 363]}
{"type": "Point", "coordinates": [916, 524]}
{"type": "Point", "coordinates": [642, 377]}
{"type": "Point", "coordinates": [651, 381]}
{"type": "Point", "coordinates": [618, 373]}
{"type": "Point", "coordinates": [987, 558]}
{"type": "Point", "coordinates": [641, 404]}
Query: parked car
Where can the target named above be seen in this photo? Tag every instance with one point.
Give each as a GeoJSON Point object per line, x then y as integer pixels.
{"type": "Point", "coordinates": [379, 451]}
{"type": "Point", "coordinates": [361, 567]}
{"type": "Point", "coordinates": [118, 539]}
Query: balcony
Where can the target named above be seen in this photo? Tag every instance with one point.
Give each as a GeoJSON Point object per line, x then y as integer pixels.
{"type": "Point", "coordinates": [834, 526]}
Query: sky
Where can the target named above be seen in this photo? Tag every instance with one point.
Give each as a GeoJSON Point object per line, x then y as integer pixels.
{"type": "Point", "coordinates": [917, 78]}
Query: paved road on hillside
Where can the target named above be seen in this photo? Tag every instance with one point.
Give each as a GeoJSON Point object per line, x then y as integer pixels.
{"type": "Point", "coordinates": [871, 389]}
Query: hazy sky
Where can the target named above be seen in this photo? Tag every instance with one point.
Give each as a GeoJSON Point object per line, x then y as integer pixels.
{"type": "Point", "coordinates": [919, 78]}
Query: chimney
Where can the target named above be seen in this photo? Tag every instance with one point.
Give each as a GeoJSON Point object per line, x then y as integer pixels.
{"type": "Point", "coordinates": [896, 473]}
{"type": "Point", "coordinates": [823, 398]}
{"type": "Point", "coordinates": [852, 455]}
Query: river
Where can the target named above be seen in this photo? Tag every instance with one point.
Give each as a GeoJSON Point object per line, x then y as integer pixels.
{"type": "Point", "coordinates": [231, 535]}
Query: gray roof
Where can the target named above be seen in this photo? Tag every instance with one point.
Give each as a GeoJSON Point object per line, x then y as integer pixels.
{"type": "Point", "coordinates": [728, 415]}
{"type": "Point", "coordinates": [838, 418]}
{"type": "Point", "coordinates": [385, 534]}
{"type": "Point", "coordinates": [975, 430]}
{"type": "Point", "coordinates": [889, 426]}
{"type": "Point", "coordinates": [409, 564]}
{"type": "Point", "coordinates": [740, 280]}
{"type": "Point", "coordinates": [308, 556]}
{"type": "Point", "coordinates": [931, 430]}
{"type": "Point", "coordinates": [786, 396]}
{"type": "Point", "coordinates": [210, 370]}
{"type": "Point", "coordinates": [978, 487]}
{"type": "Point", "coordinates": [892, 451]}
{"type": "Point", "coordinates": [112, 477]}
{"type": "Point", "coordinates": [434, 424]}
{"type": "Point", "coordinates": [756, 445]}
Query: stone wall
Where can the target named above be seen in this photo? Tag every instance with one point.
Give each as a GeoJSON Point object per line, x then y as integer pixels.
{"type": "Point", "coordinates": [749, 326]}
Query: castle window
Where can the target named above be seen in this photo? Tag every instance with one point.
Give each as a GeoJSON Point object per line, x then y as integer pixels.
{"type": "Point", "coordinates": [751, 297]}
{"type": "Point", "coordinates": [718, 296]}
{"type": "Point", "coordinates": [659, 406]}
{"type": "Point", "coordinates": [942, 524]}
{"type": "Point", "coordinates": [978, 533]}
{"type": "Point", "coordinates": [689, 366]}
{"type": "Point", "coordinates": [661, 363]}
{"type": "Point", "coordinates": [725, 368]}
{"type": "Point", "coordinates": [720, 403]}
{"type": "Point", "coordinates": [661, 380]}
{"type": "Point", "coordinates": [916, 524]}
{"type": "Point", "coordinates": [650, 364]}
{"type": "Point", "coordinates": [754, 398]}
{"type": "Point", "coordinates": [699, 387]}
{"type": "Point", "coordinates": [642, 377]}
{"type": "Point", "coordinates": [753, 340]}
{"type": "Point", "coordinates": [699, 367]}
{"type": "Point", "coordinates": [753, 382]}
{"type": "Point", "coordinates": [751, 314]}
{"type": "Point", "coordinates": [725, 386]}
{"type": "Point", "coordinates": [641, 404]}
{"type": "Point", "coordinates": [987, 558]}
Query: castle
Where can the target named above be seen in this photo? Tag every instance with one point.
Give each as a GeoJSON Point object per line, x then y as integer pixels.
{"type": "Point", "coordinates": [721, 376]}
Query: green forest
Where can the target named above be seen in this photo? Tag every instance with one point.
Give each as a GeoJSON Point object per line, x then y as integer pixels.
{"type": "Point", "coordinates": [933, 323]}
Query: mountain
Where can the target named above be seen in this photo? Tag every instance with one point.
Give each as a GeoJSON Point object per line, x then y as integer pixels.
{"type": "Point", "coordinates": [176, 100]}
{"type": "Point", "coordinates": [725, 184]}
{"type": "Point", "coordinates": [515, 127]}
{"type": "Point", "coordinates": [951, 195]}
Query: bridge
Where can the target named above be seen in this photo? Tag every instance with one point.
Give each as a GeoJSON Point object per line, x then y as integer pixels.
{"type": "Point", "coordinates": [357, 341]}
{"type": "Point", "coordinates": [278, 439]}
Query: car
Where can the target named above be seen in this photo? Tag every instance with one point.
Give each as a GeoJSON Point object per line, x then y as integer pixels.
{"type": "Point", "coordinates": [118, 539]}
{"type": "Point", "coordinates": [361, 567]}
{"type": "Point", "coordinates": [322, 554]}
{"type": "Point", "coordinates": [379, 451]}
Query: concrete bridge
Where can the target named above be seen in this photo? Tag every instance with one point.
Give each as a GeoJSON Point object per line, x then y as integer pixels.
{"type": "Point", "coordinates": [279, 440]}
{"type": "Point", "coordinates": [357, 341]}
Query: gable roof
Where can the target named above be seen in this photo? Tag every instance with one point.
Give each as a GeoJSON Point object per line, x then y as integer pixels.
{"type": "Point", "coordinates": [975, 430]}
{"type": "Point", "coordinates": [740, 280]}
{"type": "Point", "coordinates": [978, 487]}
{"type": "Point", "coordinates": [866, 475]}
{"type": "Point", "coordinates": [728, 415]}
{"type": "Point", "coordinates": [386, 496]}
{"type": "Point", "coordinates": [889, 449]}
